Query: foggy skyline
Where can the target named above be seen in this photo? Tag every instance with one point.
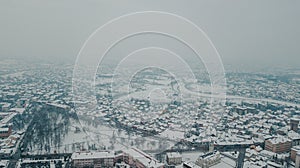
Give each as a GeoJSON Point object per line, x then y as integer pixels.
{"type": "Point", "coordinates": [247, 34]}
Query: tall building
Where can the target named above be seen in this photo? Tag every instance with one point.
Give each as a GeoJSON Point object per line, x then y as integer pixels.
{"type": "Point", "coordinates": [294, 122]}
{"type": "Point", "coordinates": [297, 162]}
{"type": "Point", "coordinates": [294, 151]}
{"type": "Point", "coordinates": [278, 144]}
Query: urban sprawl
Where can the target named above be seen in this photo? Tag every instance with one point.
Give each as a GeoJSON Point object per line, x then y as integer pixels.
{"type": "Point", "coordinates": [154, 121]}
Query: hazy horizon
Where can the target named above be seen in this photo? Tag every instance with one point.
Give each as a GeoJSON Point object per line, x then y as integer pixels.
{"type": "Point", "coordinates": [250, 35]}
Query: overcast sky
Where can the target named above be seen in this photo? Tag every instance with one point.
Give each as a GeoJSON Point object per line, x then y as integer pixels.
{"type": "Point", "coordinates": [248, 33]}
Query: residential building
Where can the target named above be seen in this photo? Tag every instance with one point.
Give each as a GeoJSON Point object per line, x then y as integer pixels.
{"type": "Point", "coordinates": [5, 132]}
{"type": "Point", "coordinates": [278, 144]}
{"type": "Point", "coordinates": [209, 159]}
{"type": "Point", "coordinates": [174, 158]}
{"type": "Point", "coordinates": [294, 122]}
{"type": "Point", "coordinates": [93, 159]}
{"type": "Point", "coordinates": [137, 158]}
{"type": "Point", "coordinates": [297, 162]}
{"type": "Point", "coordinates": [294, 152]}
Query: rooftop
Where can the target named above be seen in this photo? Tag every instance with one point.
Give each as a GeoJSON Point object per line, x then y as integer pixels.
{"type": "Point", "coordinates": [279, 139]}
{"type": "Point", "coordinates": [92, 155]}
{"type": "Point", "coordinates": [173, 155]}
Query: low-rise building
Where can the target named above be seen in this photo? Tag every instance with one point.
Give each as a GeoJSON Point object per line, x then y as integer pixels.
{"type": "Point", "coordinates": [5, 132]}
{"type": "Point", "coordinates": [174, 158]}
{"type": "Point", "coordinates": [93, 159]}
{"type": "Point", "coordinates": [209, 159]}
{"type": "Point", "coordinates": [137, 158]}
{"type": "Point", "coordinates": [40, 163]}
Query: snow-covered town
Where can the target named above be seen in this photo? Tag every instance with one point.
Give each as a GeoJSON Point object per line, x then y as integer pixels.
{"type": "Point", "coordinates": [41, 125]}
{"type": "Point", "coordinates": [149, 84]}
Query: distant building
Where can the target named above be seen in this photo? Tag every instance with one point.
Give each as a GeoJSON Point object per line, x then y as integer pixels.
{"type": "Point", "coordinates": [294, 152]}
{"type": "Point", "coordinates": [137, 158]}
{"type": "Point", "coordinates": [93, 159]}
{"type": "Point", "coordinates": [5, 106]}
{"type": "Point", "coordinates": [5, 132]}
{"type": "Point", "coordinates": [297, 162]}
{"type": "Point", "coordinates": [174, 158]}
{"type": "Point", "coordinates": [278, 144]}
{"type": "Point", "coordinates": [295, 137]}
{"type": "Point", "coordinates": [127, 158]}
{"type": "Point", "coordinates": [209, 159]}
{"type": "Point", "coordinates": [294, 124]}
{"type": "Point", "coordinates": [26, 163]}
{"type": "Point", "coordinates": [241, 110]}
{"type": "Point", "coordinates": [35, 163]}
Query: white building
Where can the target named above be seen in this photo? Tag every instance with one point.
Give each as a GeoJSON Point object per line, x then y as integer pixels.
{"type": "Point", "coordinates": [137, 158]}
{"type": "Point", "coordinates": [93, 159]}
{"type": "Point", "coordinates": [209, 159]}
{"type": "Point", "coordinates": [174, 158]}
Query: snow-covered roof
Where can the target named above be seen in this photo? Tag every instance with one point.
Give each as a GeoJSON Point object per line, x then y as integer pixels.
{"type": "Point", "coordinates": [279, 139]}
{"type": "Point", "coordinates": [144, 158]}
{"type": "Point", "coordinates": [91, 155]}
{"type": "Point", "coordinates": [173, 155]}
